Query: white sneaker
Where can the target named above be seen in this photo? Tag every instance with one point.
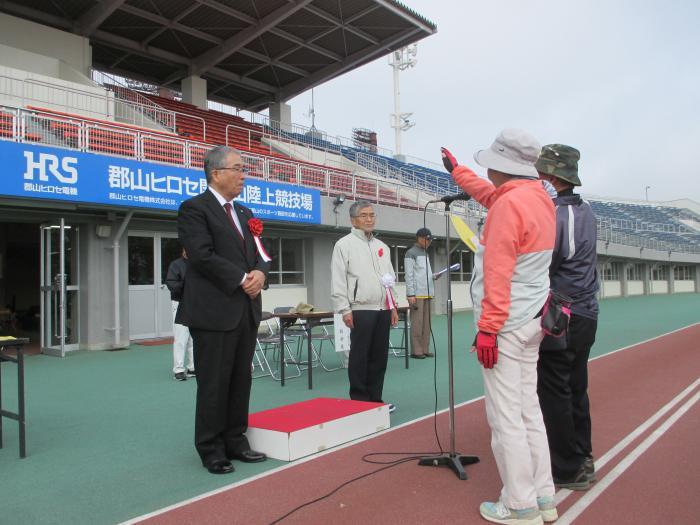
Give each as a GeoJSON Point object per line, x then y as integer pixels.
{"type": "Point", "coordinates": [499, 513]}
{"type": "Point", "coordinates": [548, 509]}
{"type": "Point", "coordinates": [392, 408]}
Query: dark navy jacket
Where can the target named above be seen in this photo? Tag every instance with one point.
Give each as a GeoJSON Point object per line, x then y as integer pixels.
{"type": "Point", "coordinates": [573, 268]}
{"type": "Point", "coordinates": [175, 280]}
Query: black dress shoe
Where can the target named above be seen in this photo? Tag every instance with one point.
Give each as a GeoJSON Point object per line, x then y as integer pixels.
{"type": "Point", "coordinates": [221, 466]}
{"type": "Point", "coordinates": [248, 456]}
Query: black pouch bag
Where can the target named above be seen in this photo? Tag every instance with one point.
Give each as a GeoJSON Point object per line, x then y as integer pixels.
{"type": "Point", "coordinates": [556, 314]}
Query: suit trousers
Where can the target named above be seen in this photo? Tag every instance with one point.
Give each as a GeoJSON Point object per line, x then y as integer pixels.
{"type": "Point", "coordinates": [518, 436]}
{"type": "Point", "coordinates": [182, 345]}
{"type": "Point", "coordinates": [369, 352]}
{"type": "Point", "coordinates": [563, 390]}
{"type": "Point", "coordinates": [223, 363]}
{"type": "Point", "coordinates": [420, 327]}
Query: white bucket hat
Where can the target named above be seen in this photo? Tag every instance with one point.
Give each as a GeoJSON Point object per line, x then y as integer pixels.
{"type": "Point", "coordinates": [514, 152]}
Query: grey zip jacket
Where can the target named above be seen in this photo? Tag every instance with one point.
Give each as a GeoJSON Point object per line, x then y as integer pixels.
{"type": "Point", "coordinates": [419, 274]}
{"type": "Point", "coordinates": [573, 268]}
{"type": "Point", "coordinates": [357, 267]}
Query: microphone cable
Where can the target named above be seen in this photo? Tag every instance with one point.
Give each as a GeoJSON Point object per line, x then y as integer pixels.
{"type": "Point", "coordinates": [405, 456]}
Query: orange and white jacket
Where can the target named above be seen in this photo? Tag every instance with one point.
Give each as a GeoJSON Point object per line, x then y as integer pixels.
{"type": "Point", "coordinates": [510, 279]}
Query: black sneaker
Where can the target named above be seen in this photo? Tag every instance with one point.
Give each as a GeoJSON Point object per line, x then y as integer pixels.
{"type": "Point", "coordinates": [589, 466]}
{"type": "Point", "coordinates": [191, 373]}
{"type": "Point", "coordinates": [578, 482]}
{"type": "Point", "coordinates": [180, 376]}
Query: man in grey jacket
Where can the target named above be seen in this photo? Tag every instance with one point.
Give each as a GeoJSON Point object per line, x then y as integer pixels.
{"type": "Point", "coordinates": [420, 290]}
{"type": "Point", "coordinates": [562, 368]}
{"type": "Point", "coordinates": [363, 292]}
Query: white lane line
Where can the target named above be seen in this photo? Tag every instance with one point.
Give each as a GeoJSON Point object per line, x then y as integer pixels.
{"type": "Point", "coordinates": [225, 488]}
{"type": "Point", "coordinates": [193, 499]}
{"type": "Point", "coordinates": [587, 499]}
{"type": "Point", "coordinates": [562, 494]}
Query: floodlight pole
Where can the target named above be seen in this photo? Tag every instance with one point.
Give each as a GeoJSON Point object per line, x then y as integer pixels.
{"type": "Point", "coordinates": [399, 60]}
{"type": "Point", "coordinates": [451, 459]}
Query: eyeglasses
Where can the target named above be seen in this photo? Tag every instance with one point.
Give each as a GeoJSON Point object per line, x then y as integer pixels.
{"type": "Point", "coordinates": [366, 216]}
{"type": "Point", "coordinates": [239, 169]}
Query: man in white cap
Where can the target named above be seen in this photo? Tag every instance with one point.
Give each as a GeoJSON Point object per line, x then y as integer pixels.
{"type": "Point", "coordinates": [510, 284]}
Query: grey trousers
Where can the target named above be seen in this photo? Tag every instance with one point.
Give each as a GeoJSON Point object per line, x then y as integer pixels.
{"type": "Point", "coordinates": [420, 327]}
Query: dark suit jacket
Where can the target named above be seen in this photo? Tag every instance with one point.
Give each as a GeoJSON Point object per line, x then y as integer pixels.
{"type": "Point", "coordinates": [216, 262]}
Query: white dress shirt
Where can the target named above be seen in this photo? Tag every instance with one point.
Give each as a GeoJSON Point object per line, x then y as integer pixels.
{"type": "Point", "coordinates": [223, 201]}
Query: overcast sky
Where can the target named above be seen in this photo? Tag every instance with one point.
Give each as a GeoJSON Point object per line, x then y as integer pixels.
{"type": "Point", "coordinates": [619, 80]}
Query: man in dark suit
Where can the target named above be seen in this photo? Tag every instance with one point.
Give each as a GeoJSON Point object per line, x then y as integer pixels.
{"type": "Point", "coordinates": [221, 305]}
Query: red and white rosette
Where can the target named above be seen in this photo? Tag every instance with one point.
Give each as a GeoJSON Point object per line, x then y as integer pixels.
{"type": "Point", "coordinates": [256, 228]}
{"type": "Point", "coordinates": [388, 281]}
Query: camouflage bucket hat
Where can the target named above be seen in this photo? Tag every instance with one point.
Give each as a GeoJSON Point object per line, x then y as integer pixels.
{"type": "Point", "coordinates": [560, 161]}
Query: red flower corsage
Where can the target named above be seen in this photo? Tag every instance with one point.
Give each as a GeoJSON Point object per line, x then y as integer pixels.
{"type": "Point", "coordinates": [255, 226]}
{"type": "Point", "coordinates": [381, 252]}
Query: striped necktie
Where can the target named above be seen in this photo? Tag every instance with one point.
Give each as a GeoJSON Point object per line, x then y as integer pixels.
{"type": "Point", "coordinates": [229, 214]}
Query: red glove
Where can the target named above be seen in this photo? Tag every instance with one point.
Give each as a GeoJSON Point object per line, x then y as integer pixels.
{"type": "Point", "coordinates": [448, 160]}
{"type": "Point", "coordinates": [486, 349]}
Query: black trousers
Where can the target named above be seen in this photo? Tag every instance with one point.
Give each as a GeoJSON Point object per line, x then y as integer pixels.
{"type": "Point", "coordinates": [369, 351]}
{"type": "Point", "coordinates": [562, 386]}
{"type": "Point", "coordinates": [223, 363]}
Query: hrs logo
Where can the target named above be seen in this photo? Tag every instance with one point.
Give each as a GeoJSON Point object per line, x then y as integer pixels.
{"type": "Point", "coordinates": [64, 169]}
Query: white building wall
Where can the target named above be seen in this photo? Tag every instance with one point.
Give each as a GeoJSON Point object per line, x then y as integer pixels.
{"type": "Point", "coordinates": [21, 88]}
{"type": "Point", "coordinates": [635, 287]}
{"type": "Point", "coordinates": [461, 300]}
{"type": "Point", "coordinates": [659, 286]}
{"type": "Point", "coordinates": [36, 39]}
{"type": "Point", "coordinates": [277, 296]}
{"type": "Point", "coordinates": [684, 286]}
{"type": "Point", "coordinates": [612, 288]}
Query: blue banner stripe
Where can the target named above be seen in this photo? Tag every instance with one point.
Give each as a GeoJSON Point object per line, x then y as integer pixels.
{"type": "Point", "coordinates": [41, 172]}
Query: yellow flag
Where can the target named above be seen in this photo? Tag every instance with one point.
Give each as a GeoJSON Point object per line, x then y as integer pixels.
{"type": "Point", "coordinates": [465, 233]}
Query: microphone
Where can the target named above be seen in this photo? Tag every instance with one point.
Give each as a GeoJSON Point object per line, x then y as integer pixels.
{"type": "Point", "coordinates": [459, 197]}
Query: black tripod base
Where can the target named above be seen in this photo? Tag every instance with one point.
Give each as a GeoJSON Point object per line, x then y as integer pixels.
{"type": "Point", "coordinates": [454, 461]}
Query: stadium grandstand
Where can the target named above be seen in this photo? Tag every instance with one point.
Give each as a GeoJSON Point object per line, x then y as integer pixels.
{"type": "Point", "coordinates": [107, 109]}
{"type": "Point", "coordinates": [105, 120]}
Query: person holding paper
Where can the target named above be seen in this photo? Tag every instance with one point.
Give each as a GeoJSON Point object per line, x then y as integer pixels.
{"type": "Point", "coordinates": [419, 292]}
{"type": "Point", "coordinates": [362, 289]}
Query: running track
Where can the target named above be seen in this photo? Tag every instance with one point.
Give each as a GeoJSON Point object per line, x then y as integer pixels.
{"type": "Point", "coordinates": [646, 427]}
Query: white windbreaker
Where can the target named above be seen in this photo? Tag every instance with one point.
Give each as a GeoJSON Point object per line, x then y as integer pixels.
{"type": "Point", "coordinates": [357, 268]}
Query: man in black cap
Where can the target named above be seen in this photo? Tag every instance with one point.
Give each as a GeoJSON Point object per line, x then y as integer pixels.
{"type": "Point", "coordinates": [419, 292]}
{"type": "Point", "coordinates": [562, 368]}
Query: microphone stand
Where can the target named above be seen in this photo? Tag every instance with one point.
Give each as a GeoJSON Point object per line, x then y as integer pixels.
{"type": "Point", "coordinates": [450, 459]}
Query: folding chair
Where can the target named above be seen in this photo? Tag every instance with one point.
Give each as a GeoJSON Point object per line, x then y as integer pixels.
{"type": "Point", "coordinates": [269, 338]}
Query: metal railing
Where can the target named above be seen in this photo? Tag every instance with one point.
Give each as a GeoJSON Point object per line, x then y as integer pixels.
{"type": "Point", "coordinates": [606, 232]}
{"type": "Point", "coordinates": [75, 133]}
{"type": "Point", "coordinates": [148, 109]}
{"type": "Point", "coordinates": [103, 138]}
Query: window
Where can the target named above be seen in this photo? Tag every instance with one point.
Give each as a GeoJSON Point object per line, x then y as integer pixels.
{"type": "Point", "coordinates": [466, 260]}
{"type": "Point", "coordinates": [141, 260]}
{"type": "Point", "coordinates": [398, 253]}
{"type": "Point", "coordinates": [659, 273]}
{"type": "Point", "coordinates": [611, 271]}
{"type": "Point", "coordinates": [635, 272]}
{"type": "Point", "coordinates": [287, 266]}
{"type": "Point", "coordinates": [684, 273]}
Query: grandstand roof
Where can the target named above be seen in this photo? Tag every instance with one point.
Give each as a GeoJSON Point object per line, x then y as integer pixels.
{"type": "Point", "coordinates": [251, 52]}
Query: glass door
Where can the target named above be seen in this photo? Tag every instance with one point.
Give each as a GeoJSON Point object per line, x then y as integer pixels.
{"type": "Point", "coordinates": [60, 320]}
{"type": "Point", "coordinates": [150, 311]}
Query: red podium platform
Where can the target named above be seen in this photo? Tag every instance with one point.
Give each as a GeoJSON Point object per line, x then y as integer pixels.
{"type": "Point", "coordinates": [293, 431]}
